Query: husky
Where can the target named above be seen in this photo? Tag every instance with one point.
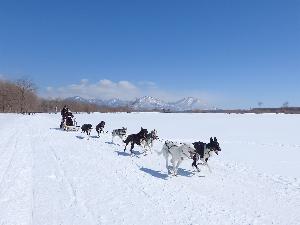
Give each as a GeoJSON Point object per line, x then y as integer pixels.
{"type": "Point", "coordinates": [205, 151]}
{"type": "Point", "coordinates": [121, 133]}
{"type": "Point", "coordinates": [100, 127]}
{"type": "Point", "coordinates": [86, 128]}
{"type": "Point", "coordinates": [135, 138]}
{"type": "Point", "coordinates": [178, 153]}
{"type": "Point", "coordinates": [148, 141]}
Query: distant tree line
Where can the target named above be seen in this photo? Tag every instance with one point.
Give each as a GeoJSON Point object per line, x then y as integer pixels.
{"type": "Point", "coordinates": [20, 96]}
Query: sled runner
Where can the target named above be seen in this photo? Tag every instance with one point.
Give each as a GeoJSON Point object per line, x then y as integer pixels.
{"type": "Point", "coordinates": [71, 128]}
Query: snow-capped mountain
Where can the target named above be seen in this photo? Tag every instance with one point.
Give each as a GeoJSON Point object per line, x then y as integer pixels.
{"type": "Point", "coordinates": [96, 101]}
{"type": "Point", "coordinates": [77, 99]}
{"type": "Point", "coordinates": [115, 102]}
{"type": "Point", "coordinates": [147, 103]}
{"type": "Point", "coordinates": [84, 100]}
{"type": "Point", "coordinates": [189, 103]}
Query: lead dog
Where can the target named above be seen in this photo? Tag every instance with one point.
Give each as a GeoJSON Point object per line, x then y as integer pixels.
{"type": "Point", "coordinates": [205, 151]}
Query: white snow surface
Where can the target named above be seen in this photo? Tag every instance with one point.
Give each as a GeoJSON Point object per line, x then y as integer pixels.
{"type": "Point", "coordinates": [53, 177]}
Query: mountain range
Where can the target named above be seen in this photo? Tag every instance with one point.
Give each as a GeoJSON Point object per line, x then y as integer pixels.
{"type": "Point", "coordinates": [147, 103]}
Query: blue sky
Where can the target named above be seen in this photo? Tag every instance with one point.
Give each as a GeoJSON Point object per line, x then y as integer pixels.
{"type": "Point", "coordinates": [229, 53]}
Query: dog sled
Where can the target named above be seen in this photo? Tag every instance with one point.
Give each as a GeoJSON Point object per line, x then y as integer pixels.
{"type": "Point", "coordinates": [71, 128]}
{"type": "Point", "coordinates": [69, 124]}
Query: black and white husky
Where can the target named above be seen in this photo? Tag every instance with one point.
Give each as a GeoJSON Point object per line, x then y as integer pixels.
{"type": "Point", "coordinates": [205, 151]}
{"type": "Point", "coordinates": [135, 139]}
{"type": "Point", "coordinates": [87, 128]}
{"type": "Point", "coordinates": [100, 127]}
{"type": "Point", "coordinates": [147, 143]}
{"type": "Point", "coordinates": [121, 133]}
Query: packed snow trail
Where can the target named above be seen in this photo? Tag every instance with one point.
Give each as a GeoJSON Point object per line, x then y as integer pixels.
{"type": "Point", "coordinates": [15, 172]}
{"type": "Point", "coordinates": [49, 176]}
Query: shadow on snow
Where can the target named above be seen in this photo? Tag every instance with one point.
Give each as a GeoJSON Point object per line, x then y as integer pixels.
{"type": "Point", "coordinates": [79, 137]}
{"type": "Point", "coordinates": [111, 143]}
{"type": "Point", "coordinates": [94, 136]}
{"type": "Point", "coordinates": [159, 174]}
{"type": "Point", "coordinates": [134, 153]}
{"type": "Point", "coordinates": [155, 173]}
{"type": "Point", "coordinates": [56, 128]}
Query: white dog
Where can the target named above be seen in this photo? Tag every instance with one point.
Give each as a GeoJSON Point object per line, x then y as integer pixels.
{"type": "Point", "coordinates": [178, 153]}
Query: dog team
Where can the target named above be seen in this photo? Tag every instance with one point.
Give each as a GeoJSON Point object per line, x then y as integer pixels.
{"type": "Point", "coordinates": [177, 151]}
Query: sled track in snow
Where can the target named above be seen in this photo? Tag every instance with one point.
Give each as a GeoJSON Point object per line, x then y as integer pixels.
{"type": "Point", "coordinates": [72, 189]}
{"type": "Point", "coordinates": [5, 176]}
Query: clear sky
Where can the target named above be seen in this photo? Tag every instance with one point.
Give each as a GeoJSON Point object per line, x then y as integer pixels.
{"type": "Point", "coordinates": [229, 53]}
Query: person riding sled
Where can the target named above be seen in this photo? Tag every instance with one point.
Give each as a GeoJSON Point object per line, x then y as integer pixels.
{"type": "Point", "coordinates": [64, 112]}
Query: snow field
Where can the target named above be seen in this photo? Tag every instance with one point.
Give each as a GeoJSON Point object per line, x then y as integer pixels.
{"type": "Point", "coordinates": [49, 176]}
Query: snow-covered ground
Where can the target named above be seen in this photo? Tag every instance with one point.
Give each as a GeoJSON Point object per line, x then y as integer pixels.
{"type": "Point", "coordinates": [53, 177]}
